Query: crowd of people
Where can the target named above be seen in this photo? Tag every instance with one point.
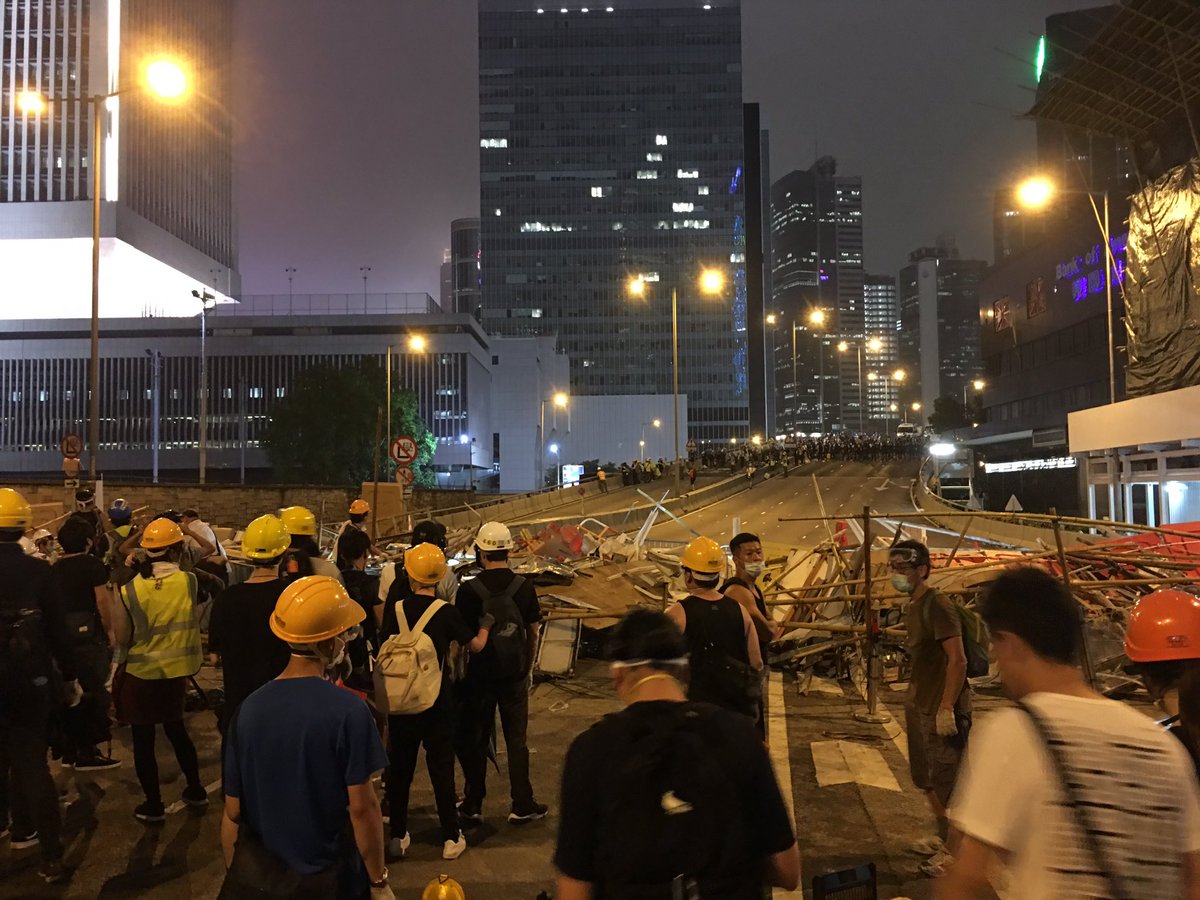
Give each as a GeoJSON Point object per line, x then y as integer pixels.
{"type": "Point", "coordinates": [334, 678]}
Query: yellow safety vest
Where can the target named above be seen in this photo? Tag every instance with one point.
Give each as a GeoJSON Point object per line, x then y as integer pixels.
{"type": "Point", "coordinates": [166, 636]}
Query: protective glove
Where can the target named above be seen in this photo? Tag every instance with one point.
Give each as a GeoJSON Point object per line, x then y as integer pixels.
{"type": "Point", "coordinates": [382, 893]}
{"type": "Point", "coordinates": [72, 694]}
{"type": "Point", "coordinates": [945, 724]}
{"type": "Point", "coordinates": [487, 621]}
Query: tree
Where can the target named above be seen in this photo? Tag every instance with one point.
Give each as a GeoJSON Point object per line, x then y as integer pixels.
{"type": "Point", "coordinates": [324, 431]}
{"type": "Point", "coordinates": [948, 414]}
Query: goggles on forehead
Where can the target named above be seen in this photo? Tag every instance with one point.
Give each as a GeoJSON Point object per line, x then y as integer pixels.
{"type": "Point", "coordinates": [631, 663]}
{"type": "Point", "coordinates": [907, 555]}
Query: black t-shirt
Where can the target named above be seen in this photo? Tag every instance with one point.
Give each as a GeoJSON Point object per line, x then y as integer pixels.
{"type": "Point", "coordinates": [446, 625]}
{"type": "Point", "coordinates": [240, 631]}
{"type": "Point", "coordinates": [591, 778]}
{"type": "Point", "coordinates": [78, 577]}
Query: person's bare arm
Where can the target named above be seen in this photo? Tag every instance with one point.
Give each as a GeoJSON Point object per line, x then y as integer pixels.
{"type": "Point", "coordinates": [229, 827]}
{"type": "Point", "coordinates": [570, 889]}
{"type": "Point", "coordinates": [765, 627]}
{"type": "Point", "coordinates": [752, 650]}
{"type": "Point", "coordinates": [130, 543]}
{"type": "Point", "coordinates": [122, 625]}
{"type": "Point", "coordinates": [1191, 875]}
{"type": "Point", "coordinates": [956, 670]}
{"type": "Point", "coordinates": [677, 615]}
{"type": "Point", "coordinates": [531, 633]}
{"type": "Point", "coordinates": [783, 868]}
{"type": "Point", "coordinates": [367, 822]}
{"type": "Point", "coordinates": [207, 547]}
{"type": "Point", "coordinates": [480, 641]}
{"type": "Point", "coordinates": [967, 877]}
{"type": "Point", "coordinates": [104, 606]}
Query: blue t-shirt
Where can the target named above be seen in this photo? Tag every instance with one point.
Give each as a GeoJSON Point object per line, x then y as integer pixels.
{"type": "Point", "coordinates": [299, 743]}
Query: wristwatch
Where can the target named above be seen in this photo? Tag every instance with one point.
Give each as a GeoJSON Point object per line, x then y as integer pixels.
{"type": "Point", "coordinates": [383, 880]}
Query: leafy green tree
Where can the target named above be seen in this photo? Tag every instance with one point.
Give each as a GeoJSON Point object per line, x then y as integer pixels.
{"type": "Point", "coordinates": [324, 431]}
{"type": "Point", "coordinates": [948, 414]}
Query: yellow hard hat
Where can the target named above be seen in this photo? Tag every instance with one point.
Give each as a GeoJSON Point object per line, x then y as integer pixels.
{"type": "Point", "coordinates": [14, 510]}
{"type": "Point", "coordinates": [314, 609]}
{"type": "Point", "coordinates": [704, 555]}
{"type": "Point", "coordinates": [161, 533]}
{"type": "Point", "coordinates": [265, 538]}
{"type": "Point", "coordinates": [299, 520]}
{"type": "Point", "coordinates": [359, 507]}
{"type": "Point", "coordinates": [425, 564]}
{"type": "Point", "coordinates": [443, 888]}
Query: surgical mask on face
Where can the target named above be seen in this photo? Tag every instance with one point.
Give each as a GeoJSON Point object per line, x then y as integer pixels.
{"type": "Point", "coordinates": [754, 569]}
{"type": "Point", "coordinates": [902, 584]}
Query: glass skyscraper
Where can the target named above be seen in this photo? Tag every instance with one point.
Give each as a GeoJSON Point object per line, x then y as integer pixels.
{"type": "Point", "coordinates": [611, 148]}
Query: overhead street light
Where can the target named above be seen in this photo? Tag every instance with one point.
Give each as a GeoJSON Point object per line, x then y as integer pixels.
{"type": "Point", "coordinates": [416, 343]}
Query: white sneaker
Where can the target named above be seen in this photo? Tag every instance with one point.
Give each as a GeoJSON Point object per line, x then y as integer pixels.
{"type": "Point", "coordinates": [929, 846]}
{"type": "Point", "coordinates": [398, 847]}
{"type": "Point", "coordinates": [937, 865]}
{"type": "Point", "coordinates": [454, 849]}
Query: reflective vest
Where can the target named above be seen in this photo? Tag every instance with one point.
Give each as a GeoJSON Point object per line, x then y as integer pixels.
{"type": "Point", "coordinates": [166, 637]}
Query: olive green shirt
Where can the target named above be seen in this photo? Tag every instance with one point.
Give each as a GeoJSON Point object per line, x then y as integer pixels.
{"type": "Point", "coordinates": [930, 620]}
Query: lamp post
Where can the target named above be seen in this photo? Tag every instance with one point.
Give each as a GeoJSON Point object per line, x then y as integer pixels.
{"type": "Point", "coordinates": [365, 270]}
{"type": "Point", "coordinates": [1036, 193]}
{"type": "Point", "coordinates": [872, 344]}
{"type": "Point", "coordinates": [657, 423]}
{"type": "Point", "coordinates": [712, 283]}
{"type": "Point", "coordinates": [978, 384]}
{"type": "Point", "coordinates": [204, 297]}
{"type": "Point", "coordinates": [559, 401]}
{"type": "Point", "coordinates": [166, 80]}
{"type": "Point", "coordinates": [155, 402]}
{"type": "Point", "coordinates": [916, 407]}
{"type": "Point", "coordinates": [290, 271]}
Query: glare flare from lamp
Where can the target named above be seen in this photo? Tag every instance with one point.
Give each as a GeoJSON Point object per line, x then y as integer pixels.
{"type": "Point", "coordinates": [772, 319]}
{"type": "Point", "coordinates": [978, 384]}
{"type": "Point", "coordinates": [899, 375]}
{"type": "Point", "coordinates": [560, 400]}
{"type": "Point", "coordinates": [872, 376]}
{"type": "Point", "coordinates": [916, 407]}
{"type": "Point", "coordinates": [942, 450]}
{"type": "Point", "coordinates": [31, 103]}
{"type": "Point", "coordinates": [166, 79]}
{"type": "Point", "coordinates": [657, 423]}
{"type": "Point", "coordinates": [416, 343]}
{"type": "Point", "coordinates": [637, 287]}
{"type": "Point", "coordinates": [712, 281]}
{"type": "Point", "coordinates": [1035, 193]}
{"type": "Point", "coordinates": [843, 346]}
{"type": "Point", "coordinates": [816, 317]}
{"type": "Point", "coordinates": [875, 345]}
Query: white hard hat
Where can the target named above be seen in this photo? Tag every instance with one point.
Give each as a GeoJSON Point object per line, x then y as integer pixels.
{"type": "Point", "coordinates": [494, 536]}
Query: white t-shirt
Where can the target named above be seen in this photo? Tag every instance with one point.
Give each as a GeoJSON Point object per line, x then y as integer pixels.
{"type": "Point", "coordinates": [1139, 778]}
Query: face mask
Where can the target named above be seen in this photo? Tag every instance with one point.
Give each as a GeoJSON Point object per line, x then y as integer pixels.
{"type": "Point", "coordinates": [902, 584]}
{"type": "Point", "coordinates": [754, 569]}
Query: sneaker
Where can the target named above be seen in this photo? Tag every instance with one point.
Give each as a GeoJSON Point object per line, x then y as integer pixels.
{"type": "Point", "coordinates": [97, 763]}
{"type": "Point", "coordinates": [454, 849]}
{"type": "Point", "coordinates": [52, 872]}
{"type": "Point", "coordinates": [929, 846]}
{"type": "Point", "coordinates": [397, 848]}
{"type": "Point", "coordinates": [195, 796]}
{"type": "Point", "coordinates": [532, 814]}
{"type": "Point", "coordinates": [937, 865]}
{"type": "Point", "coordinates": [150, 812]}
{"type": "Point", "coordinates": [469, 815]}
{"type": "Point", "coordinates": [28, 840]}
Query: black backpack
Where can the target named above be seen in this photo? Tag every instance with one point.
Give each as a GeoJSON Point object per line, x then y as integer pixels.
{"type": "Point", "coordinates": [507, 644]}
{"type": "Point", "coordinates": [671, 823]}
{"type": "Point", "coordinates": [27, 673]}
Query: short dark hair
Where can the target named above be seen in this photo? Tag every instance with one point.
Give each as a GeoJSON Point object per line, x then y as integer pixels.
{"type": "Point", "coordinates": [744, 538]}
{"type": "Point", "coordinates": [305, 544]}
{"type": "Point", "coordinates": [352, 545]}
{"type": "Point", "coordinates": [190, 513]}
{"type": "Point", "coordinates": [646, 634]}
{"type": "Point", "coordinates": [494, 555]}
{"type": "Point", "coordinates": [704, 579]}
{"type": "Point", "coordinates": [8, 535]}
{"type": "Point", "coordinates": [429, 532]}
{"type": "Point", "coordinates": [918, 550]}
{"type": "Point", "coordinates": [74, 535]}
{"type": "Point", "coordinates": [1038, 609]}
{"type": "Point", "coordinates": [358, 518]}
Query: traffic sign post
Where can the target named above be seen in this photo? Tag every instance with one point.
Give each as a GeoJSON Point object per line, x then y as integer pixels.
{"type": "Point", "coordinates": [405, 476]}
{"type": "Point", "coordinates": [404, 450]}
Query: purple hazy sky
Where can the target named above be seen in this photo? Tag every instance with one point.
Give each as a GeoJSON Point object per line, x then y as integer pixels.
{"type": "Point", "coordinates": [357, 137]}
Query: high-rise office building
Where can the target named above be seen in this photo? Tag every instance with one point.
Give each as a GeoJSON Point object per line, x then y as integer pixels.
{"type": "Point", "coordinates": [446, 282]}
{"type": "Point", "coordinates": [817, 298]}
{"type": "Point", "coordinates": [939, 324]}
{"type": "Point", "coordinates": [881, 352]}
{"type": "Point", "coordinates": [167, 222]}
{"type": "Point", "coordinates": [464, 262]}
{"type": "Point", "coordinates": [611, 149]}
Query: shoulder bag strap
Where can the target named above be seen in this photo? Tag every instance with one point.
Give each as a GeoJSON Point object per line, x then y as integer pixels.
{"type": "Point", "coordinates": [1075, 801]}
{"type": "Point", "coordinates": [429, 613]}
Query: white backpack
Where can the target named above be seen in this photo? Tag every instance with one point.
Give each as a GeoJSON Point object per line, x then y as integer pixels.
{"type": "Point", "coordinates": [408, 678]}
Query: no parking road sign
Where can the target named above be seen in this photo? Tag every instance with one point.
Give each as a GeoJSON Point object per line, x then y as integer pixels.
{"type": "Point", "coordinates": [405, 476]}
{"type": "Point", "coordinates": [404, 450]}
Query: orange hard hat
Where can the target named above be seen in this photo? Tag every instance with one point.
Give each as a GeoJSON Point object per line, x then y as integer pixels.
{"type": "Point", "coordinates": [1164, 625]}
{"type": "Point", "coordinates": [160, 534]}
{"type": "Point", "coordinates": [359, 506]}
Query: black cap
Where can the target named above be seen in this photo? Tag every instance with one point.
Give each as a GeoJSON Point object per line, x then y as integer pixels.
{"type": "Point", "coordinates": [429, 532]}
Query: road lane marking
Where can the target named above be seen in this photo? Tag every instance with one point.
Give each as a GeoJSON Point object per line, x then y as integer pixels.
{"type": "Point", "coordinates": [849, 762]}
{"type": "Point", "coordinates": [213, 790]}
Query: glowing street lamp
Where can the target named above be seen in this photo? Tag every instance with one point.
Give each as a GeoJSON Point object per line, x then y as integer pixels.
{"type": "Point", "coordinates": [657, 423]}
{"type": "Point", "coordinates": [31, 103]}
{"type": "Point", "coordinates": [1035, 193]}
{"type": "Point", "coordinates": [166, 79]}
{"type": "Point", "coordinates": [816, 317]}
{"type": "Point", "coordinates": [712, 281]}
{"type": "Point", "coordinates": [899, 375]}
{"type": "Point", "coordinates": [772, 318]}
{"type": "Point", "coordinates": [560, 400]}
{"type": "Point", "coordinates": [417, 343]}
{"type": "Point", "coordinates": [874, 345]}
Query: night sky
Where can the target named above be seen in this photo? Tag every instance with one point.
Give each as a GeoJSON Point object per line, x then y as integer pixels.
{"type": "Point", "coordinates": [357, 137]}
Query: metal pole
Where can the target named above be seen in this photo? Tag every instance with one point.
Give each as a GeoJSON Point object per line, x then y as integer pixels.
{"type": "Point", "coordinates": [674, 378]}
{"type": "Point", "coordinates": [242, 428]}
{"type": "Point", "coordinates": [642, 445]}
{"type": "Point", "coordinates": [861, 399]}
{"type": "Point", "coordinates": [1108, 280]}
{"type": "Point", "coordinates": [155, 406]}
{"type": "Point", "coordinates": [871, 648]}
{"type": "Point", "coordinates": [821, 378]}
{"type": "Point", "coordinates": [388, 405]}
{"type": "Point", "coordinates": [203, 391]}
{"type": "Point", "coordinates": [94, 366]}
{"type": "Point", "coordinates": [541, 453]}
{"type": "Point", "coordinates": [795, 387]}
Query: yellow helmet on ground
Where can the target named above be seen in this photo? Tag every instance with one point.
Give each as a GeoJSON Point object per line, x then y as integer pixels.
{"type": "Point", "coordinates": [314, 609]}
{"type": "Point", "coordinates": [265, 538]}
{"type": "Point", "coordinates": [299, 520]}
{"type": "Point", "coordinates": [359, 507]}
{"type": "Point", "coordinates": [14, 510]}
{"type": "Point", "coordinates": [704, 555]}
{"type": "Point", "coordinates": [443, 888]}
{"type": "Point", "coordinates": [160, 534]}
{"type": "Point", "coordinates": [425, 564]}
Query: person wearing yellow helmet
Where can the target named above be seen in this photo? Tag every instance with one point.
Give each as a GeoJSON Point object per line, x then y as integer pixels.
{"type": "Point", "coordinates": [156, 627]}
{"type": "Point", "coordinates": [424, 614]}
{"type": "Point", "coordinates": [30, 688]}
{"type": "Point", "coordinates": [239, 632]}
{"type": "Point", "coordinates": [443, 888]}
{"type": "Point", "coordinates": [725, 656]}
{"type": "Point", "coordinates": [300, 761]}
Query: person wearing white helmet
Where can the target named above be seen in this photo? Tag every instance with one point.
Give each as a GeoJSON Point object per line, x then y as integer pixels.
{"type": "Point", "coordinates": [498, 677]}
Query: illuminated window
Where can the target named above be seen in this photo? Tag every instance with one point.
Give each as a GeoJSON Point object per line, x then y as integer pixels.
{"type": "Point", "coordinates": [682, 207]}
{"type": "Point", "coordinates": [702, 190]}
{"type": "Point", "coordinates": [256, 393]}
{"type": "Point", "coordinates": [280, 392]}
{"type": "Point", "coordinates": [227, 393]}
{"type": "Point", "coordinates": [647, 174]}
{"type": "Point", "coordinates": [543, 226]}
{"type": "Point", "coordinates": [618, 226]}
{"type": "Point", "coordinates": [493, 143]}
{"type": "Point", "coordinates": [691, 223]}
{"type": "Point", "coordinates": [497, 211]}
{"type": "Point", "coordinates": [687, 173]}
{"type": "Point", "coordinates": [653, 157]}
{"type": "Point", "coordinates": [661, 140]}
{"type": "Point", "coordinates": [535, 314]}
{"type": "Point", "coordinates": [597, 192]}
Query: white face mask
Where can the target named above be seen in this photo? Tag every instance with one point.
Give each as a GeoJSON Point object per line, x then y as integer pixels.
{"type": "Point", "coordinates": [902, 584]}
{"type": "Point", "coordinates": [754, 569]}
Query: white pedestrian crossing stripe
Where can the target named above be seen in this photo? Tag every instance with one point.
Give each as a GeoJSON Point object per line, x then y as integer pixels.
{"type": "Point", "coordinates": [849, 762]}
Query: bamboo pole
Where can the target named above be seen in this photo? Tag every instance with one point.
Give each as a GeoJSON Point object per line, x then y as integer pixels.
{"type": "Point", "coordinates": [958, 543]}
{"type": "Point", "coordinates": [1085, 655]}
